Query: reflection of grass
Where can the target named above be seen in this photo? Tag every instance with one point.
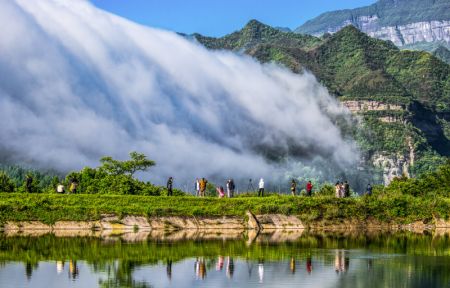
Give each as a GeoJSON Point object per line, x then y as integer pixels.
{"type": "Point", "coordinates": [50, 208]}
{"type": "Point", "coordinates": [122, 259]}
{"type": "Point", "coordinates": [95, 250]}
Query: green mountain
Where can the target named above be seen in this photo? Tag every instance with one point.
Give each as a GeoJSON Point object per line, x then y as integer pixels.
{"type": "Point", "coordinates": [401, 96]}
{"type": "Point", "coordinates": [442, 53]}
{"type": "Point", "coordinates": [404, 22]}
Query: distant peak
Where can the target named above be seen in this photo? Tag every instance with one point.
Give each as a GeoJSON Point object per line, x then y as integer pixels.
{"type": "Point", "coordinates": [255, 23]}
{"type": "Point", "coordinates": [349, 29]}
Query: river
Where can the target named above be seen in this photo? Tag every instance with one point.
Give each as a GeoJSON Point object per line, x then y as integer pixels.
{"type": "Point", "coordinates": [217, 259]}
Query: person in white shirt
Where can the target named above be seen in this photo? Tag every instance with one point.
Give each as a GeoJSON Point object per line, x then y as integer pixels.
{"type": "Point", "coordinates": [197, 187]}
{"type": "Point", "coordinates": [261, 187]}
{"type": "Point", "coordinates": [60, 188]}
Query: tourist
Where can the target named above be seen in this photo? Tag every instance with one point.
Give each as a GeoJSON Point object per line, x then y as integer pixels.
{"type": "Point", "coordinates": [341, 190]}
{"type": "Point", "coordinates": [230, 188]}
{"type": "Point", "coordinates": [346, 189]}
{"type": "Point", "coordinates": [170, 186]}
{"type": "Point", "coordinates": [369, 190]}
{"type": "Point", "coordinates": [337, 188]}
{"type": "Point", "coordinates": [73, 186]}
{"type": "Point", "coordinates": [309, 188]}
{"type": "Point", "coordinates": [203, 183]}
{"type": "Point", "coordinates": [261, 187]}
{"type": "Point", "coordinates": [293, 187]}
{"type": "Point", "coordinates": [197, 187]}
{"type": "Point", "coordinates": [227, 185]}
{"type": "Point", "coordinates": [60, 188]}
{"type": "Point", "coordinates": [29, 184]}
{"type": "Point", "coordinates": [220, 191]}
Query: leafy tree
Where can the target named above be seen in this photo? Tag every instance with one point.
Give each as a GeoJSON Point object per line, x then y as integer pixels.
{"type": "Point", "coordinates": [138, 162]}
{"type": "Point", "coordinates": [6, 184]}
{"type": "Point", "coordinates": [116, 177]}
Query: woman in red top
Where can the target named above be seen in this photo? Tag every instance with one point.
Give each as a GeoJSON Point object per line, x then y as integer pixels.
{"type": "Point", "coordinates": [309, 188]}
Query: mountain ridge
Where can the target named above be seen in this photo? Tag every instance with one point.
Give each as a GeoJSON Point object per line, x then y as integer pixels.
{"type": "Point", "coordinates": [391, 90]}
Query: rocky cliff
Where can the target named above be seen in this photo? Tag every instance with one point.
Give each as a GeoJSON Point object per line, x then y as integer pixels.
{"type": "Point", "coordinates": [402, 22]}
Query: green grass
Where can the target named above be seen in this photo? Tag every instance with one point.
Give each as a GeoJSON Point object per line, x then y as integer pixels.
{"type": "Point", "coordinates": [50, 208]}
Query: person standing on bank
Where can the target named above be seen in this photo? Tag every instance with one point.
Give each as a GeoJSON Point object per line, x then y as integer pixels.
{"type": "Point", "coordinates": [29, 184]}
{"type": "Point", "coordinates": [170, 186]}
{"type": "Point", "coordinates": [337, 188]}
{"type": "Point", "coordinates": [369, 190]}
{"type": "Point", "coordinates": [60, 188]}
{"type": "Point", "coordinates": [203, 183]}
{"type": "Point", "coordinates": [197, 187]}
{"type": "Point", "coordinates": [309, 188]}
{"type": "Point", "coordinates": [261, 187]}
{"type": "Point", "coordinates": [293, 187]}
{"type": "Point", "coordinates": [232, 187]}
{"type": "Point", "coordinates": [73, 186]}
{"type": "Point", "coordinates": [346, 189]}
{"type": "Point", "coordinates": [341, 190]}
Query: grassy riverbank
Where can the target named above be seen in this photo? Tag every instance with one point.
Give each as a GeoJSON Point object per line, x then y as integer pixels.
{"type": "Point", "coordinates": [50, 208]}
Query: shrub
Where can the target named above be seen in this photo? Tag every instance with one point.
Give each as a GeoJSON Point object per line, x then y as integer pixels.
{"type": "Point", "coordinates": [6, 184]}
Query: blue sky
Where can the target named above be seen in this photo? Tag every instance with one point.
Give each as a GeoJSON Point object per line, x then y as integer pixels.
{"type": "Point", "coordinates": [220, 17]}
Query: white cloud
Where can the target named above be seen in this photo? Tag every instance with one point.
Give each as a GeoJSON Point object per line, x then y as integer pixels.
{"type": "Point", "coordinates": [77, 83]}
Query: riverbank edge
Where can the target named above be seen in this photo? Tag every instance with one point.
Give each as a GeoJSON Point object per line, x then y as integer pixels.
{"type": "Point", "coordinates": [112, 222]}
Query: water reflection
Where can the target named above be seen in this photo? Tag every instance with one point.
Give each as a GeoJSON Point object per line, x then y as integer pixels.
{"type": "Point", "coordinates": [341, 262]}
{"type": "Point", "coordinates": [320, 259]}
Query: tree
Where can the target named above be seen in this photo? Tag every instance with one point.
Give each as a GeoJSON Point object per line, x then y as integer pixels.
{"type": "Point", "coordinates": [6, 184]}
{"type": "Point", "coordinates": [138, 162]}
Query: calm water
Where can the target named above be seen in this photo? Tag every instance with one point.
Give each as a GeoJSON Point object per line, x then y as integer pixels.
{"type": "Point", "coordinates": [297, 259]}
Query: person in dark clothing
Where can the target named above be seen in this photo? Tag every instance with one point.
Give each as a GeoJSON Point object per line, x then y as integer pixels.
{"type": "Point", "coordinates": [369, 190]}
{"type": "Point", "coordinates": [29, 184]}
{"type": "Point", "coordinates": [169, 186]}
{"type": "Point", "coordinates": [346, 189]}
{"type": "Point", "coordinates": [232, 187]}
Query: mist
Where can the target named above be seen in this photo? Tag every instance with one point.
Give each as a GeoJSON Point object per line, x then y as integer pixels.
{"type": "Point", "coordinates": [78, 83]}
